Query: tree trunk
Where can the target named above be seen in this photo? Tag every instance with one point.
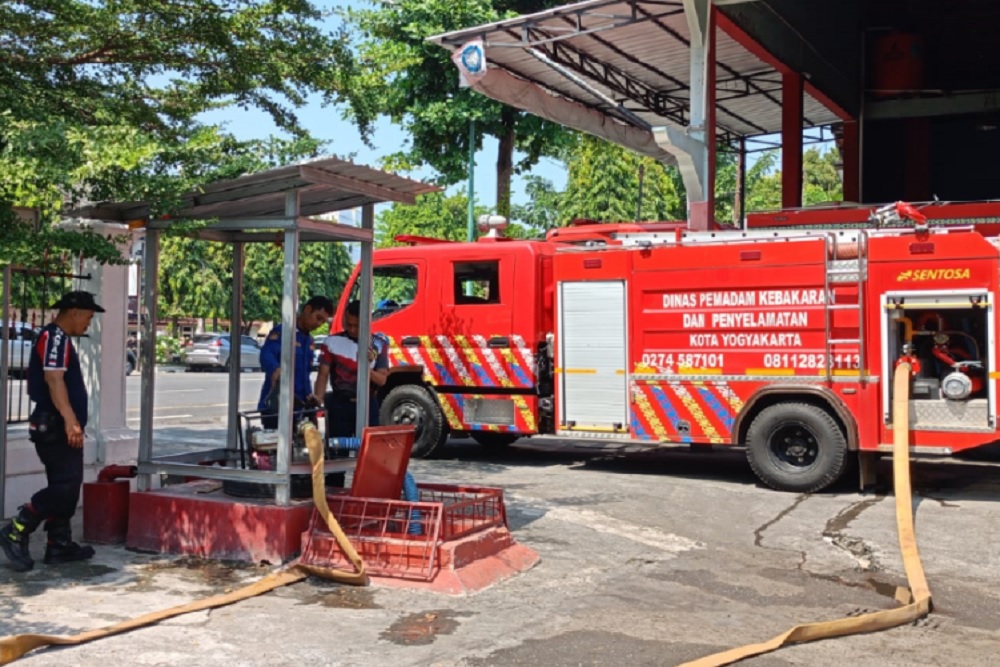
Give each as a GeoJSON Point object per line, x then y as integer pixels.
{"type": "Point", "coordinates": [505, 161]}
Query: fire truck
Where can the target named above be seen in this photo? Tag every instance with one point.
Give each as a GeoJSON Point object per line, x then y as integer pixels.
{"type": "Point", "coordinates": [781, 341]}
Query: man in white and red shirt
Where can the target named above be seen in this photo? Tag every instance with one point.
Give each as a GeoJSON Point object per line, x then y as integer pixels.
{"type": "Point", "coordinates": [339, 365]}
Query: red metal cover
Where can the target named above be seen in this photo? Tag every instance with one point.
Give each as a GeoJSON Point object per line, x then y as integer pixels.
{"type": "Point", "coordinates": [382, 462]}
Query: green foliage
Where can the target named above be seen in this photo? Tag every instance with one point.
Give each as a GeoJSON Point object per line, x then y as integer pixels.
{"type": "Point", "coordinates": [821, 179]}
{"type": "Point", "coordinates": [435, 214]}
{"type": "Point", "coordinates": [99, 100]}
{"type": "Point", "coordinates": [167, 349]}
{"type": "Point", "coordinates": [763, 183]}
{"type": "Point", "coordinates": [412, 81]}
{"type": "Point", "coordinates": [324, 268]}
{"type": "Point", "coordinates": [540, 214]}
{"type": "Point", "coordinates": [196, 277]}
{"type": "Point", "coordinates": [603, 185]}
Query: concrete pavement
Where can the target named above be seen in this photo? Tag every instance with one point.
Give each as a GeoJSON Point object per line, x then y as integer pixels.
{"type": "Point", "coordinates": [646, 560]}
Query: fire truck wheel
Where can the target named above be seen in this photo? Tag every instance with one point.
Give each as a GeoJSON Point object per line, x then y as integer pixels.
{"type": "Point", "coordinates": [494, 439]}
{"type": "Point", "coordinates": [410, 404]}
{"type": "Point", "coordinates": [796, 447]}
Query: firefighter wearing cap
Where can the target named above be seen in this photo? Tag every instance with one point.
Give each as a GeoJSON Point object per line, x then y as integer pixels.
{"type": "Point", "coordinates": [55, 385]}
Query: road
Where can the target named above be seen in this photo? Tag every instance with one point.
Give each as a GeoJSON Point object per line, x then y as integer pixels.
{"type": "Point", "coordinates": [190, 398]}
{"type": "Point", "coordinates": [646, 559]}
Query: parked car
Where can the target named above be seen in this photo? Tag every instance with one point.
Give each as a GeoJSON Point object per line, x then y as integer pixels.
{"type": "Point", "coordinates": [20, 338]}
{"type": "Point", "coordinates": [209, 351]}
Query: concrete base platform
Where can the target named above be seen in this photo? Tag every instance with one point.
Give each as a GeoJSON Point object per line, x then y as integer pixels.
{"type": "Point", "coordinates": [461, 566]}
{"type": "Point", "coordinates": [472, 564]}
{"type": "Point", "coordinates": [197, 519]}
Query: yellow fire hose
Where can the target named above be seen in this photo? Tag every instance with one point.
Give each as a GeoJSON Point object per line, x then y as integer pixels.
{"type": "Point", "coordinates": [916, 600]}
{"type": "Point", "coordinates": [15, 646]}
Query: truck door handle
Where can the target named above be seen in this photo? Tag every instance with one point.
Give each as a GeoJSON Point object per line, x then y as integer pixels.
{"type": "Point", "coordinates": [411, 341]}
{"type": "Point", "coordinates": [499, 341]}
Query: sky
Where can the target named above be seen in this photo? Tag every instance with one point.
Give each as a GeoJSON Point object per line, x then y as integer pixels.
{"type": "Point", "coordinates": [344, 140]}
{"type": "Point", "coordinates": [326, 123]}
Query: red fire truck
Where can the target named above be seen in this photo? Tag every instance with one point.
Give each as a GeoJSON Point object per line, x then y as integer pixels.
{"type": "Point", "coordinates": [780, 340]}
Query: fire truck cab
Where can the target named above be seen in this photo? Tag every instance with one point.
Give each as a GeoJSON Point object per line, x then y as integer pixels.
{"type": "Point", "coordinates": [784, 341]}
{"type": "Point", "coordinates": [466, 322]}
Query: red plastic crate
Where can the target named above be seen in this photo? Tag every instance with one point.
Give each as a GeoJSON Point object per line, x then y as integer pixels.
{"type": "Point", "coordinates": [397, 538]}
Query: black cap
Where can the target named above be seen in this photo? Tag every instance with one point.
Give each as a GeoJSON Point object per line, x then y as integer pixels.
{"type": "Point", "coordinates": [80, 300]}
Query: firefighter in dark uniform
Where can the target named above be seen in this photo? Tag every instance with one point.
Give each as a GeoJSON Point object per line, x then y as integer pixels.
{"type": "Point", "coordinates": [55, 385]}
{"type": "Point", "coordinates": [314, 313]}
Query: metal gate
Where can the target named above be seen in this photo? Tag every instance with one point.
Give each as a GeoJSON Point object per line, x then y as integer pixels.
{"type": "Point", "coordinates": [27, 295]}
{"type": "Point", "coordinates": [593, 354]}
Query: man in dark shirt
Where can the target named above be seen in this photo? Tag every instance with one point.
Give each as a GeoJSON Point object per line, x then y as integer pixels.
{"type": "Point", "coordinates": [55, 385]}
{"type": "Point", "coordinates": [314, 313]}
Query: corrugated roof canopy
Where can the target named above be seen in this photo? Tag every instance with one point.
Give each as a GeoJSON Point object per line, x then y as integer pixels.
{"type": "Point", "coordinates": [257, 201]}
{"type": "Point", "coordinates": [636, 54]}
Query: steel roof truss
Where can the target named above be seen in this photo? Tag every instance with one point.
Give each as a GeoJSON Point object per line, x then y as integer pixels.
{"type": "Point", "coordinates": [613, 79]}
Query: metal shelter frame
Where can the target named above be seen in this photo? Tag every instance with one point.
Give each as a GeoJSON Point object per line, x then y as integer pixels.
{"type": "Point", "coordinates": [262, 207]}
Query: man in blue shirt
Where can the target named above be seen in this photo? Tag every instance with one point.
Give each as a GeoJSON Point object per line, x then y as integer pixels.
{"type": "Point", "coordinates": [316, 312]}
{"type": "Point", "coordinates": [55, 385]}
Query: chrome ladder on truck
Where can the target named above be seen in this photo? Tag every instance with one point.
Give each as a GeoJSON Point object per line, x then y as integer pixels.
{"type": "Point", "coordinates": [845, 271]}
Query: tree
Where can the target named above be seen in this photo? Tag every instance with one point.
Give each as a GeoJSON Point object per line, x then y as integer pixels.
{"type": "Point", "coordinates": [100, 99]}
{"type": "Point", "coordinates": [324, 268]}
{"type": "Point", "coordinates": [435, 215]}
{"type": "Point", "coordinates": [821, 179]}
{"type": "Point", "coordinates": [541, 213]}
{"type": "Point", "coordinates": [603, 184]}
{"type": "Point", "coordinates": [196, 276]}
{"type": "Point", "coordinates": [763, 183]}
{"type": "Point", "coordinates": [413, 82]}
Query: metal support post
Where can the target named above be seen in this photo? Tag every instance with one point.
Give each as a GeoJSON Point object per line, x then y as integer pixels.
{"type": "Point", "coordinates": [741, 221]}
{"type": "Point", "coordinates": [147, 351]}
{"type": "Point", "coordinates": [4, 376]}
{"type": "Point", "coordinates": [471, 222]}
{"type": "Point", "coordinates": [365, 321]}
{"type": "Point", "coordinates": [289, 308]}
{"type": "Point", "coordinates": [791, 139]}
{"type": "Point", "coordinates": [235, 347]}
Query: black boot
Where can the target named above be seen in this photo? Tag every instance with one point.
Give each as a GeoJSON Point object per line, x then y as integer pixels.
{"type": "Point", "coordinates": [14, 539]}
{"type": "Point", "coordinates": [61, 548]}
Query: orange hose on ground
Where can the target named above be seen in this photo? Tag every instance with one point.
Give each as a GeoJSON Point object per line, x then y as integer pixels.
{"type": "Point", "coordinates": [16, 646]}
{"type": "Point", "coordinates": [918, 596]}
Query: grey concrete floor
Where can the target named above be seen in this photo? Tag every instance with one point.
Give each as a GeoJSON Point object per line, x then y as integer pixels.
{"type": "Point", "coordinates": [646, 559]}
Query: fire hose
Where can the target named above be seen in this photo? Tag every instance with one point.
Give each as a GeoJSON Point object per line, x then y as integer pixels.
{"type": "Point", "coordinates": [916, 600]}
{"type": "Point", "coordinates": [16, 646]}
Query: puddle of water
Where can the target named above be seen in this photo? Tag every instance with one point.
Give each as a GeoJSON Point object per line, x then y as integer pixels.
{"type": "Point", "coordinates": [422, 628]}
{"type": "Point", "coordinates": [343, 598]}
{"type": "Point", "coordinates": [847, 515]}
{"type": "Point", "coordinates": [211, 573]}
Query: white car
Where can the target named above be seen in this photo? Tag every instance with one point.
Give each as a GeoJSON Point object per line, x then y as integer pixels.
{"type": "Point", "coordinates": [21, 336]}
{"type": "Point", "coordinates": [210, 351]}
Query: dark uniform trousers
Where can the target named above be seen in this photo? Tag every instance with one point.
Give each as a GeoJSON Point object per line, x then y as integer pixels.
{"type": "Point", "coordinates": [64, 471]}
